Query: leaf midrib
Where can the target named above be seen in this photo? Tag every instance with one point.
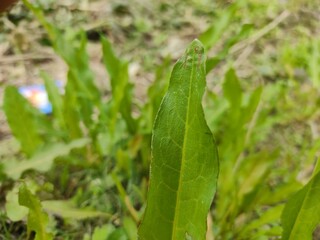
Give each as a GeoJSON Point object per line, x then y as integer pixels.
{"type": "Point", "coordinates": [183, 152]}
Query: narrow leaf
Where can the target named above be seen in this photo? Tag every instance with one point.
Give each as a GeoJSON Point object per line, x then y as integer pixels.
{"type": "Point", "coordinates": [43, 160]}
{"type": "Point", "coordinates": [37, 218]}
{"type": "Point", "coordinates": [120, 86]}
{"type": "Point", "coordinates": [21, 120]}
{"type": "Point", "coordinates": [71, 110]}
{"type": "Point", "coordinates": [66, 209]}
{"type": "Point", "coordinates": [270, 216]}
{"type": "Point", "coordinates": [223, 53]}
{"type": "Point", "coordinates": [55, 98]}
{"type": "Point", "coordinates": [184, 166]}
{"type": "Point", "coordinates": [232, 89]}
{"type": "Point", "coordinates": [301, 214]}
{"type": "Point", "coordinates": [156, 92]}
{"type": "Point", "coordinates": [211, 36]}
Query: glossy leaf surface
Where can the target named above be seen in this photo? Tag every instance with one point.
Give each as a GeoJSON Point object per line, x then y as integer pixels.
{"type": "Point", "coordinates": [184, 166]}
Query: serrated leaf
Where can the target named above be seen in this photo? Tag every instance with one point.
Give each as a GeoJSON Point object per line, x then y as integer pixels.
{"type": "Point", "coordinates": [301, 214]}
{"type": "Point", "coordinates": [37, 218]}
{"type": "Point", "coordinates": [21, 120]}
{"type": "Point", "coordinates": [43, 160]}
{"type": "Point", "coordinates": [184, 166]}
{"type": "Point", "coordinates": [66, 209]}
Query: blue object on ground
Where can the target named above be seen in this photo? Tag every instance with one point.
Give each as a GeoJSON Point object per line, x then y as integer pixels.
{"type": "Point", "coordinates": [37, 95]}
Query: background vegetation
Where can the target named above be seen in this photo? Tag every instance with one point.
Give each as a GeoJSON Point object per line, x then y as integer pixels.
{"type": "Point", "coordinates": [87, 164]}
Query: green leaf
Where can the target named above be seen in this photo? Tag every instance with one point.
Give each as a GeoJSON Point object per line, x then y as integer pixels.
{"type": "Point", "coordinates": [66, 209]}
{"type": "Point", "coordinates": [156, 92]}
{"type": "Point", "coordinates": [71, 46]}
{"type": "Point", "coordinates": [269, 216]}
{"type": "Point", "coordinates": [222, 54]}
{"type": "Point", "coordinates": [21, 120]}
{"type": "Point", "coordinates": [120, 86]}
{"type": "Point", "coordinates": [14, 211]}
{"type": "Point", "coordinates": [111, 61]}
{"type": "Point", "coordinates": [37, 218]}
{"type": "Point", "coordinates": [130, 228]}
{"type": "Point", "coordinates": [78, 61]}
{"type": "Point", "coordinates": [118, 234]}
{"type": "Point", "coordinates": [43, 160]}
{"type": "Point", "coordinates": [232, 89]}
{"type": "Point", "coordinates": [301, 214]}
{"type": "Point", "coordinates": [211, 36]}
{"type": "Point", "coordinates": [55, 99]}
{"type": "Point", "coordinates": [184, 168]}
{"type": "Point", "coordinates": [71, 111]}
{"type": "Point", "coordinates": [39, 13]}
{"type": "Point", "coordinates": [103, 232]}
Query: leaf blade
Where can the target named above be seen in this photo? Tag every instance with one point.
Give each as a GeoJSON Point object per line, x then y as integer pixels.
{"type": "Point", "coordinates": [37, 218]}
{"type": "Point", "coordinates": [184, 167]}
{"type": "Point", "coordinates": [21, 120]}
{"type": "Point", "coordinates": [43, 160]}
{"type": "Point", "coordinates": [67, 210]}
{"type": "Point", "coordinates": [301, 214]}
{"type": "Point", "coordinates": [55, 99]}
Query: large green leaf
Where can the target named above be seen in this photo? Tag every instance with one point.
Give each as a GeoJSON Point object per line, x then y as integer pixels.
{"type": "Point", "coordinates": [184, 167]}
{"type": "Point", "coordinates": [43, 160]}
{"type": "Point", "coordinates": [21, 120]}
{"type": "Point", "coordinates": [37, 219]}
{"type": "Point", "coordinates": [301, 214]}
